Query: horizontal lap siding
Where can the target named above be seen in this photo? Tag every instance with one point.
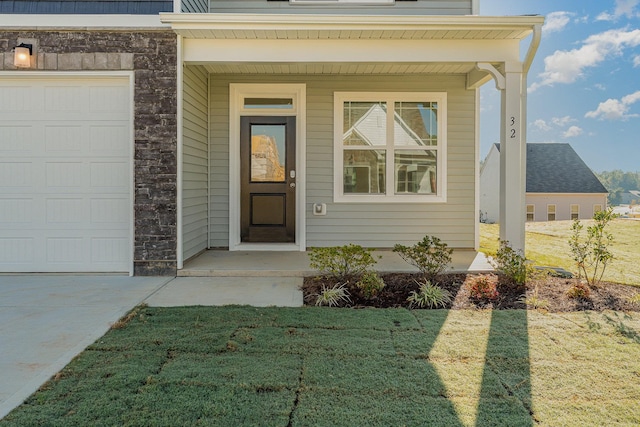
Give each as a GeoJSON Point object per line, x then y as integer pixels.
{"type": "Point", "coordinates": [194, 163]}
{"type": "Point", "coordinates": [219, 172]}
{"type": "Point", "coordinates": [419, 7]}
{"type": "Point", "coordinates": [371, 225]}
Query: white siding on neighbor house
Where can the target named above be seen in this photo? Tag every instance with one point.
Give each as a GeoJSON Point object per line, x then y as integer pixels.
{"type": "Point", "coordinates": [563, 204]}
{"type": "Point", "coordinates": [194, 162]}
{"type": "Point", "coordinates": [419, 7]}
{"type": "Point", "coordinates": [195, 6]}
{"type": "Point", "coordinates": [490, 187]}
{"type": "Point", "coordinates": [371, 225]}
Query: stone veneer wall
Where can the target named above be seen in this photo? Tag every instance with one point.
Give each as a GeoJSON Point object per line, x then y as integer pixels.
{"type": "Point", "coordinates": [151, 54]}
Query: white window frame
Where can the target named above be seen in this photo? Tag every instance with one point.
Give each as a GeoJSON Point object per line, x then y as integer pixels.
{"type": "Point", "coordinates": [390, 98]}
{"type": "Point", "coordinates": [532, 213]}
{"type": "Point", "coordinates": [597, 208]}
{"type": "Point", "coordinates": [571, 213]}
{"type": "Point", "coordinates": [554, 213]}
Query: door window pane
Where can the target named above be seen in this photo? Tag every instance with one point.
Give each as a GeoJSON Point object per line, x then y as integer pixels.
{"type": "Point", "coordinates": [364, 171]}
{"type": "Point", "coordinates": [268, 153]}
{"type": "Point", "coordinates": [416, 171]}
{"type": "Point", "coordinates": [279, 103]}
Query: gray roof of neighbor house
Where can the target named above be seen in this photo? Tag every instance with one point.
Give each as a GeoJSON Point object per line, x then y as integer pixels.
{"type": "Point", "coordinates": [98, 7]}
{"type": "Point", "coordinates": [557, 168]}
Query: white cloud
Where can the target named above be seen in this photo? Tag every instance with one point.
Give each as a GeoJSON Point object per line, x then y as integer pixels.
{"type": "Point", "coordinates": [556, 21]}
{"type": "Point", "coordinates": [567, 66]}
{"type": "Point", "coordinates": [542, 125]}
{"type": "Point", "coordinates": [636, 61]}
{"type": "Point", "coordinates": [600, 86]}
{"type": "Point", "coordinates": [562, 121]}
{"type": "Point", "coordinates": [614, 109]}
{"type": "Point", "coordinates": [572, 132]}
{"type": "Point", "coordinates": [623, 8]}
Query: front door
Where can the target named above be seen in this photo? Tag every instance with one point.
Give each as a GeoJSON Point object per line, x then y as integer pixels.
{"type": "Point", "coordinates": [268, 179]}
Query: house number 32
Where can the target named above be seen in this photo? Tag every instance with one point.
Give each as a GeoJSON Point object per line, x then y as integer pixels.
{"type": "Point", "coordinates": [512, 123]}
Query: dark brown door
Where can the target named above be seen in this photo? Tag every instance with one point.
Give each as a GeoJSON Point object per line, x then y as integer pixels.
{"type": "Point", "coordinates": [268, 179]}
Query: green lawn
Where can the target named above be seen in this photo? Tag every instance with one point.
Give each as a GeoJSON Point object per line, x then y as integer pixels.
{"type": "Point", "coordinates": [547, 244]}
{"type": "Point", "coordinates": [243, 366]}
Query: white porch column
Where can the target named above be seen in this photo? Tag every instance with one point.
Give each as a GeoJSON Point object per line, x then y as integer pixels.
{"type": "Point", "coordinates": [513, 152]}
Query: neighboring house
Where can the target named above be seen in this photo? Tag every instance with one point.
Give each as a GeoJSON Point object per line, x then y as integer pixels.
{"type": "Point", "coordinates": [141, 133]}
{"type": "Point", "coordinates": [631, 197]}
{"type": "Point", "coordinates": [560, 186]}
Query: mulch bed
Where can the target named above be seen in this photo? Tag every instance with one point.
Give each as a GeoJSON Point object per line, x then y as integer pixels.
{"type": "Point", "coordinates": [553, 290]}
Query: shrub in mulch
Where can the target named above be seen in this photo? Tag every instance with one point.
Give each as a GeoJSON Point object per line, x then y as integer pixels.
{"type": "Point", "coordinates": [554, 291]}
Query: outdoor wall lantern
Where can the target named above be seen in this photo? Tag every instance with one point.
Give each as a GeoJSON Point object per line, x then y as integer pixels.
{"type": "Point", "coordinates": [22, 56]}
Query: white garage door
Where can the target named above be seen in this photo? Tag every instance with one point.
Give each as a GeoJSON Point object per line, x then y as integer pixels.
{"type": "Point", "coordinates": [65, 174]}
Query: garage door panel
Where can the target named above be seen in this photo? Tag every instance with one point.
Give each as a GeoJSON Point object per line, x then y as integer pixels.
{"type": "Point", "coordinates": [16, 139]}
{"type": "Point", "coordinates": [18, 252]}
{"type": "Point", "coordinates": [64, 139]}
{"type": "Point", "coordinates": [108, 138]}
{"type": "Point", "coordinates": [65, 174]}
{"type": "Point", "coordinates": [15, 211]}
{"type": "Point", "coordinates": [16, 175]}
{"type": "Point", "coordinates": [15, 98]}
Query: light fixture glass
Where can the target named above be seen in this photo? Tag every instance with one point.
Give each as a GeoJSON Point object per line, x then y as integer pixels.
{"type": "Point", "coordinates": [22, 56]}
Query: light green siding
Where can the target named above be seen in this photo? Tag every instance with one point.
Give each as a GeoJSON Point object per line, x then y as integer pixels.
{"type": "Point", "coordinates": [419, 7]}
{"type": "Point", "coordinates": [194, 162]}
{"type": "Point", "coordinates": [368, 224]}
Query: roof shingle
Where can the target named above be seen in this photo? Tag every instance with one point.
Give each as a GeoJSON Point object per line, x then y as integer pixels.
{"type": "Point", "coordinates": [557, 168]}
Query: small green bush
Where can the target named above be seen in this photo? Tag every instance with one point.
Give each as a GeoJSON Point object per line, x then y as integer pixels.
{"type": "Point", "coordinates": [430, 296]}
{"type": "Point", "coordinates": [370, 284]}
{"type": "Point", "coordinates": [591, 253]}
{"type": "Point", "coordinates": [333, 296]}
{"type": "Point", "coordinates": [431, 256]}
{"type": "Point", "coordinates": [512, 263]}
{"type": "Point", "coordinates": [483, 288]}
{"type": "Point", "coordinates": [341, 261]}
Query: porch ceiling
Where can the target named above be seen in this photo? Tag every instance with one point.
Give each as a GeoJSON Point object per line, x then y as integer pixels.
{"type": "Point", "coordinates": [350, 27]}
{"type": "Point", "coordinates": [340, 68]}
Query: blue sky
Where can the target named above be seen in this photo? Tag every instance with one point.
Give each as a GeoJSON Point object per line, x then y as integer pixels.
{"type": "Point", "coordinates": [584, 85]}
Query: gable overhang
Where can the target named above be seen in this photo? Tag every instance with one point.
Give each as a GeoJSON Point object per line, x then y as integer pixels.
{"type": "Point", "coordinates": [348, 44]}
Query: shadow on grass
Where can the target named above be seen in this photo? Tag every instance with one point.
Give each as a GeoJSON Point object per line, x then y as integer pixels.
{"type": "Point", "coordinates": [377, 385]}
{"type": "Point", "coordinates": [505, 397]}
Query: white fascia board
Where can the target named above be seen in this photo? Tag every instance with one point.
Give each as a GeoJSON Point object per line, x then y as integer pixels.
{"type": "Point", "coordinates": [360, 22]}
{"type": "Point", "coordinates": [57, 22]}
{"type": "Point", "coordinates": [314, 51]}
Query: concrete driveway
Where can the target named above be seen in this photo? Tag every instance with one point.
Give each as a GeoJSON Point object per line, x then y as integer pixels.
{"type": "Point", "coordinates": [45, 321]}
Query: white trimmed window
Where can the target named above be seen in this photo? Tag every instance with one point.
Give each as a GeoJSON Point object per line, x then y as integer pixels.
{"type": "Point", "coordinates": [531, 210]}
{"type": "Point", "coordinates": [551, 212]}
{"type": "Point", "coordinates": [390, 147]}
{"type": "Point", "coordinates": [597, 208]}
{"type": "Point", "coordinates": [575, 211]}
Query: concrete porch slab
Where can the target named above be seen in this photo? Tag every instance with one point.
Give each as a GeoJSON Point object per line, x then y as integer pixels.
{"type": "Point", "coordinates": [216, 291]}
{"type": "Point", "coordinates": [223, 263]}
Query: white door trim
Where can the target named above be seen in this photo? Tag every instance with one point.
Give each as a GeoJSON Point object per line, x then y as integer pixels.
{"type": "Point", "coordinates": [237, 93]}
